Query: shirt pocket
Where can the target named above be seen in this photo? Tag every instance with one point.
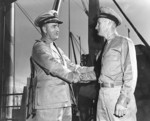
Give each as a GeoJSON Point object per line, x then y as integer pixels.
{"type": "Point", "coordinates": [111, 61]}
{"type": "Point", "coordinates": [113, 53]}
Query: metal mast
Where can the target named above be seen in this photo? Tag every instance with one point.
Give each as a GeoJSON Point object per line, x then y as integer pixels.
{"type": "Point", "coordinates": [56, 5]}
{"type": "Point", "coordinates": [94, 41]}
{"type": "Point", "coordinates": [8, 68]}
{"type": "Point", "coordinates": [69, 43]}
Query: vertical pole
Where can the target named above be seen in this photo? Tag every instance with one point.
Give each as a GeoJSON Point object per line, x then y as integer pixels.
{"type": "Point", "coordinates": [9, 57]}
{"type": "Point", "coordinates": [2, 26]}
{"type": "Point", "coordinates": [56, 5]}
{"type": "Point", "coordinates": [69, 44]}
{"type": "Point", "coordinates": [94, 41]}
{"type": "Point", "coordinates": [80, 45]}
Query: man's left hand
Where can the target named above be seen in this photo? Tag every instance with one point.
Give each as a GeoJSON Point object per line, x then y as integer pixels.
{"type": "Point", "coordinates": [120, 110]}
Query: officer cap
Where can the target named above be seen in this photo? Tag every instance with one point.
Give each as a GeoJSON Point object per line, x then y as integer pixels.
{"type": "Point", "coordinates": [106, 12]}
{"type": "Point", "coordinates": [48, 17]}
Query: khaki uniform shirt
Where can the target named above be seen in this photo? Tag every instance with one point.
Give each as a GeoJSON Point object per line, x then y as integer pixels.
{"type": "Point", "coordinates": [52, 80]}
{"type": "Point", "coordinates": [119, 65]}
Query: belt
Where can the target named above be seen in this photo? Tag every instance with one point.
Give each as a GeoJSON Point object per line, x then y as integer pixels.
{"type": "Point", "coordinates": [110, 85]}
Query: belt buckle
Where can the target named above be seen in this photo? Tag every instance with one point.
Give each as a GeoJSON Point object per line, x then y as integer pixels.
{"type": "Point", "coordinates": [107, 85]}
{"type": "Point", "coordinates": [111, 85]}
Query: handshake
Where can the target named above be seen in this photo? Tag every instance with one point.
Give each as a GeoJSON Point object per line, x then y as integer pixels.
{"type": "Point", "coordinates": [86, 77]}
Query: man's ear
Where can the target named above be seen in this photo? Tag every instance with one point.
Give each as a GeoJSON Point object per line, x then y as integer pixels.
{"type": "Point", "coordinates": [44, 29]}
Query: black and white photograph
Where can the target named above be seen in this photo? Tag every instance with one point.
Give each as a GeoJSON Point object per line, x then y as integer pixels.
{"type": "Point", "coordinates": [74, 60]}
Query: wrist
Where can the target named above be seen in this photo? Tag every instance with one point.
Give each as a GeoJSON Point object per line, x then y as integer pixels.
{"type": "Point", "coordinates": [123, 100]}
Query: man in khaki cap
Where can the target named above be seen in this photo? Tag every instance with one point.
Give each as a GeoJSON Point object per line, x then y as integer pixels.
{"type": "Point", "coordinates": [53, 73]}
{"type": "Point", "coordinates": [118, 75]}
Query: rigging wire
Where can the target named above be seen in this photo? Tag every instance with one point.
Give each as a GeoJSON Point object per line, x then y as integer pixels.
{"type": "Point", "coordinates": [78, 46]}
{"type": "Point", "coordinates": [85, 8]}
{"type": "Point", "coordinates": [27, 15]}
{"type": "Point", "coordinates": [31, 21]}
{"type": "Point", "coordinates": [87, 2]}
{"type": "Point", "coordinates": [77, 43]}
{"type": "Point", "coordinates": [133, 27]}
{"type": "Point", "coordinates": [75, 58]}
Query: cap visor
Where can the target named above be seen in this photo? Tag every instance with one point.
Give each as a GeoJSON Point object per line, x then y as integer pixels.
{"type": "Point", "coordinates": [59, 22]}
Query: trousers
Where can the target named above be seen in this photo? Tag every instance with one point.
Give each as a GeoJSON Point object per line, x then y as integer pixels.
{"type": "Point", "coordinates": [54, 114]}
{"type": "Point", "coordinates": [106, 106]}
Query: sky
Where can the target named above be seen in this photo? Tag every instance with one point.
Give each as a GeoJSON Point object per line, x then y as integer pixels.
{"type": "Point", "coordinates": [25, 33]}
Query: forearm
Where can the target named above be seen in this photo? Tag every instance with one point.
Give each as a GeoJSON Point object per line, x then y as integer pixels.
{"type": "Point", "coordinates": [86, 73]}
{"type": "Point", "coordinates": [129, 67]}
{"type": "Point", "coordinates": [51, 66]}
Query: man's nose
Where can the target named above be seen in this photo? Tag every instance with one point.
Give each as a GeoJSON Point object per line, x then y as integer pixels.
{"type": "Point", "coordinates": [96, 26]}
{"type": "Point", "coordinates": [57, 28]}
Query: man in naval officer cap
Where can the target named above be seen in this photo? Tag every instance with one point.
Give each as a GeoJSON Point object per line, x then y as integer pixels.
{"type": "Point", "coordinates": [54, 72]}
{"type": "Point", "coordinates": [118, 75]}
